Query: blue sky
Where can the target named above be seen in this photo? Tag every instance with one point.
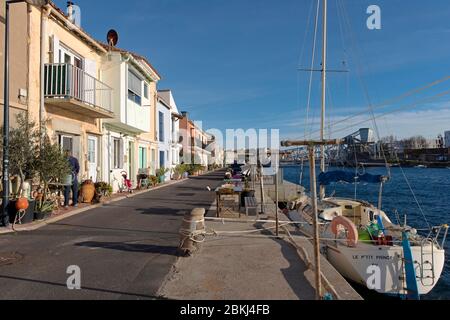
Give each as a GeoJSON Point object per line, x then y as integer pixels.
{"type": "Point", "coordinates": [233, 64]}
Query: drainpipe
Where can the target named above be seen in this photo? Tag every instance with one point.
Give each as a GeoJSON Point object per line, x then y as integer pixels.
{"type": "Point", "coordinates": [46, 10]}
{"type": "Point", "coordinates": [109, 157]}
{"type": "Point", "coordinates": [126, 60]}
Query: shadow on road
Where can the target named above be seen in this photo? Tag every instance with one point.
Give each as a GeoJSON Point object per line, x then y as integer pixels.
{"type": "Point", "coordinates": [64, 285]}
{"type": "Point", "coordinates": [130, 247]}
{"type": "Point", "coordinates": [295, 273]}
{"type": "Point", "coordinates": [156, 232]}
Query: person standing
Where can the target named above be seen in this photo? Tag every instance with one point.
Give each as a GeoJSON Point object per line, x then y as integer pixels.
{"type": "Point", "coordinates": [75, 170]}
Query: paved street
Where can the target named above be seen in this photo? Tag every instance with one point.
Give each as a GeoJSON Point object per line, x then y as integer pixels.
{"type": "Point", "coordinates": [124, 249]}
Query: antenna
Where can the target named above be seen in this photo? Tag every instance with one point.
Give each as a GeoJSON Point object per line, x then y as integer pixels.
{"type": "Point", "coordinates": [112, 37]}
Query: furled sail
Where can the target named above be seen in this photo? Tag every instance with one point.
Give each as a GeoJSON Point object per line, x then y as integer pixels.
{"type": "Point", "coordinates": [326, 178]}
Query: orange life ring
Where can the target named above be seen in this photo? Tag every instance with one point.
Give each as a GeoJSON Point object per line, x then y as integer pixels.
{"type": "Point", "coordinates": [352, 232]}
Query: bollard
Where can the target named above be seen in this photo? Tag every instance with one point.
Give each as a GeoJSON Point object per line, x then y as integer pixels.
{"type": "Point", "coordinates": [192, 232]}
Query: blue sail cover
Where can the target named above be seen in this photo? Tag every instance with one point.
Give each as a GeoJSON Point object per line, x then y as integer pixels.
{"type": "Point", "coordinates": [326, 178]}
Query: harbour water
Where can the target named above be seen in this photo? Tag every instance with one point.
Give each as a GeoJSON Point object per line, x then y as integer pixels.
{"type": "Point", "coordinates": [431, 187]}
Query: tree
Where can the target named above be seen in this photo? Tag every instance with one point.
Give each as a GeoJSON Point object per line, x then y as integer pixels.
{"type": "Point", "coordinates": [416, 142]}
{"type": "Point", "coordinates": [51, 165]}
{"type": "Point", "coordinates": [23, 148]}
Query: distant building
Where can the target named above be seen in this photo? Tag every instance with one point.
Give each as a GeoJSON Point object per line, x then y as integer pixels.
{"type": "Point", "coordinates": [447, 139]}
{"type": "Point", "coordinates": [428, 155]}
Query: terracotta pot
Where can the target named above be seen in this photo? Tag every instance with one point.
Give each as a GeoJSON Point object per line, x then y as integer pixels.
{"type": "Point", "coordinates": [88, 191]}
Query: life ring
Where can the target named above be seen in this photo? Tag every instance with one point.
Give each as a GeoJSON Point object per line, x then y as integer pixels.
{"type": "Point", "coordinates": [352, 232]}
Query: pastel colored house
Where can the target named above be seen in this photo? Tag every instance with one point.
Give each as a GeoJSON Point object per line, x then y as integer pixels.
{"type": "Point", "coordinates": [175, 117]}
{"type": "Point", "coordinates": [164, 116]}
{"type": "Point", "coordinates": [74, 94]}
{"type": "Point", "coordinates": [130, 137]}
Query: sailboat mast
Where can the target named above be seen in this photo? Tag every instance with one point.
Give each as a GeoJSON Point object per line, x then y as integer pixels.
{"type": "Point", "coordinates": [324, 95]}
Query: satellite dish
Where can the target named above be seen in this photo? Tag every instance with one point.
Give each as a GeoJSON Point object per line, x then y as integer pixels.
{"type": "Point", "coordinates": [112, 37]}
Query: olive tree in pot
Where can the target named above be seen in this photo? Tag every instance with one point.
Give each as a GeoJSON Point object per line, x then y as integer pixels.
{"type": "Point", "coordinates": [23, 147]}
{"type": "Point", "coordinates": [52, 167]}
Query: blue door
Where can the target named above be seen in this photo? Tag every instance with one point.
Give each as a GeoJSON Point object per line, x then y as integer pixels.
{"type": "Point", "coordinates": [162, 159]}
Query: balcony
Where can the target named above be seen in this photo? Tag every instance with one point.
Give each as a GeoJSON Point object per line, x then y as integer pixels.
{"type": "Point", "coordinates": [70, 89]}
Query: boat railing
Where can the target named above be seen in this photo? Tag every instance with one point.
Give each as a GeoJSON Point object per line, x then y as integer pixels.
{"type": "Point", "coordinates": [438, 235]}
{"type": "Point", "coordinates": [427, 259]}
{"type": "Point", "coordinates": [436, 239]}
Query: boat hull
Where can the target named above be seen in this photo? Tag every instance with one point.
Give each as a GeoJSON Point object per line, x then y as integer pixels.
{"type": "Point", "coordinates": [357, 265]}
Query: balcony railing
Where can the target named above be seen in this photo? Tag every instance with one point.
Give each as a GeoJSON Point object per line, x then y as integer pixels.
{"type": "Point", "coordinates": [67, 82]}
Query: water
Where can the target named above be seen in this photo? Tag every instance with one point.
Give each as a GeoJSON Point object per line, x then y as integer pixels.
{"type": "Point", "coordinates": [432, 189]}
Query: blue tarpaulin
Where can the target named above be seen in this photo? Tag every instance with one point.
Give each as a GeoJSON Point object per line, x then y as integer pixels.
{"type": "Point", "coordinates": [326, 178]}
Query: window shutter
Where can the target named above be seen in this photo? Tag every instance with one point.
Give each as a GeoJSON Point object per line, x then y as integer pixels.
{"type": "Point", "coordinates": [121, 153]}
{"type": "Point", "coordinates": [134, 83]}
{"type": "Point", "coordinates": [90, 66]}
{"type": "Point", "coordinates": [55, 48]}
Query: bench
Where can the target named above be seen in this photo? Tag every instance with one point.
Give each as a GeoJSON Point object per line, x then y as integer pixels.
{"type": "Point", "coordinates": [251, 203]}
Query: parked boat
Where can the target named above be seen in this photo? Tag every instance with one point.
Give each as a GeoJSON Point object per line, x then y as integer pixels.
{"type": "Point", "coordinates": [421, 166]}
{"type": "Point", "coordinates": [358, 238]}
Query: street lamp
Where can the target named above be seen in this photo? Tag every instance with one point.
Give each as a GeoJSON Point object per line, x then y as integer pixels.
{"type": "Point", "coordinates": [5, 195]}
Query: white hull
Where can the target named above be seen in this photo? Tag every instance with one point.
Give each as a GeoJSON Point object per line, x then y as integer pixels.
{"type": "Point", "coordinates": [354, 263]}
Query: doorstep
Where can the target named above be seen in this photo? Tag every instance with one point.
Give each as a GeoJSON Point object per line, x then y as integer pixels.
{"type": "Point", "coordinates": [62, 214]}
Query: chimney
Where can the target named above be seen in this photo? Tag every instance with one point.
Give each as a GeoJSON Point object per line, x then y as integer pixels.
{"type": "Point", "coordinates": [184, 114]}
{"type": "Point", "coordinates": [70, 11]}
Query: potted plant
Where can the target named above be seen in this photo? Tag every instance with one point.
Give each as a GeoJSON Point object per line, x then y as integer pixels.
{"type": "Point", "coordinates": [161, 174]}
{"type": "Point", "coordinates": [247, 192]}
{"type": "Point", "coordinates": [87, 191]}
{"type": "Point", "coordinates": [194, 169]}
{"type": "Point", "coordinates": [23, 147]}
{"type": "Point", "coordinates": [154, 180]}
{"type": "Point", "coordinates": [52, 166]}
{"type": "Point", "coordinates": [43, 209]}
{"type": "Point", "coordinates": [178, 172]}
{"type": "Point", "coordinates": [104, 189]}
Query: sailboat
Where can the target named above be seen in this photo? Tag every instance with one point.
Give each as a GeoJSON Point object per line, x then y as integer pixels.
{"type": "Point", "coordinates": [358, 238]}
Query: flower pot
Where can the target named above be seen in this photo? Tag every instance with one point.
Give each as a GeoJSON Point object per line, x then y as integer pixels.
{"type": "Point", "coordinates": [40, 216]}
{"type": "Point", "coordinates": [29, 212]}
{"type": "Point", "coordinates": [87, 191]}
{"type": "Point", "coordinates": [246, 194]}
{"type": "Point", "coordinates": [162, 179]}
{"type": "Point", "coordinates": [176, 176]}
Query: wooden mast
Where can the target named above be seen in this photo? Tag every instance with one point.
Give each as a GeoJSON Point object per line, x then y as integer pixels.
{"type": "Point", "coordinates": [324, 95]}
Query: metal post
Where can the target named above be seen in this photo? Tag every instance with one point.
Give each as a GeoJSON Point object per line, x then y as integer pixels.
{"type": "Point", "coordinates": [5, 194]}
{"type": "Point", "coordinates": [253, 177]}
{"type": "Point", "coordinates": [380, 196]}
{"type": "Point", "coordinates": [312, 168]}
{"type": "Point", "coordinates": [324, 95]}
{"type": "Point", "coordinates": [276, 204]}
{"type": "Point", "coordinates": [261, 177]}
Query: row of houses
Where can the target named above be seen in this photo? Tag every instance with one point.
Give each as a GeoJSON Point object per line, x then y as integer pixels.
{"type": "Point", "coordinates": [98, 101]}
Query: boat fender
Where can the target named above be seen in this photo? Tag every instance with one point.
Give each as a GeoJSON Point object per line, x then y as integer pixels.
{"type": "Point", "coordinates": [352, 231]}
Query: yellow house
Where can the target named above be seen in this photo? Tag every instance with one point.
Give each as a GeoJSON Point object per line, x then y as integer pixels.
{"type": "Point", "coordinates": [19, 98]}
{"type": "Point", "coordinates": [98, 101]}
{"type": "Point", "coordinates": [75, 99]}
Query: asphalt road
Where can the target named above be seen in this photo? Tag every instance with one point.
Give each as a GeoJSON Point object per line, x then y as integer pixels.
{"type": "Point", "coordinates": [124, 250]}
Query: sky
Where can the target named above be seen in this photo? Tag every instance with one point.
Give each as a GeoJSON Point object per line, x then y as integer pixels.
{"type": "Point", "coordinates": [234, 64]}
